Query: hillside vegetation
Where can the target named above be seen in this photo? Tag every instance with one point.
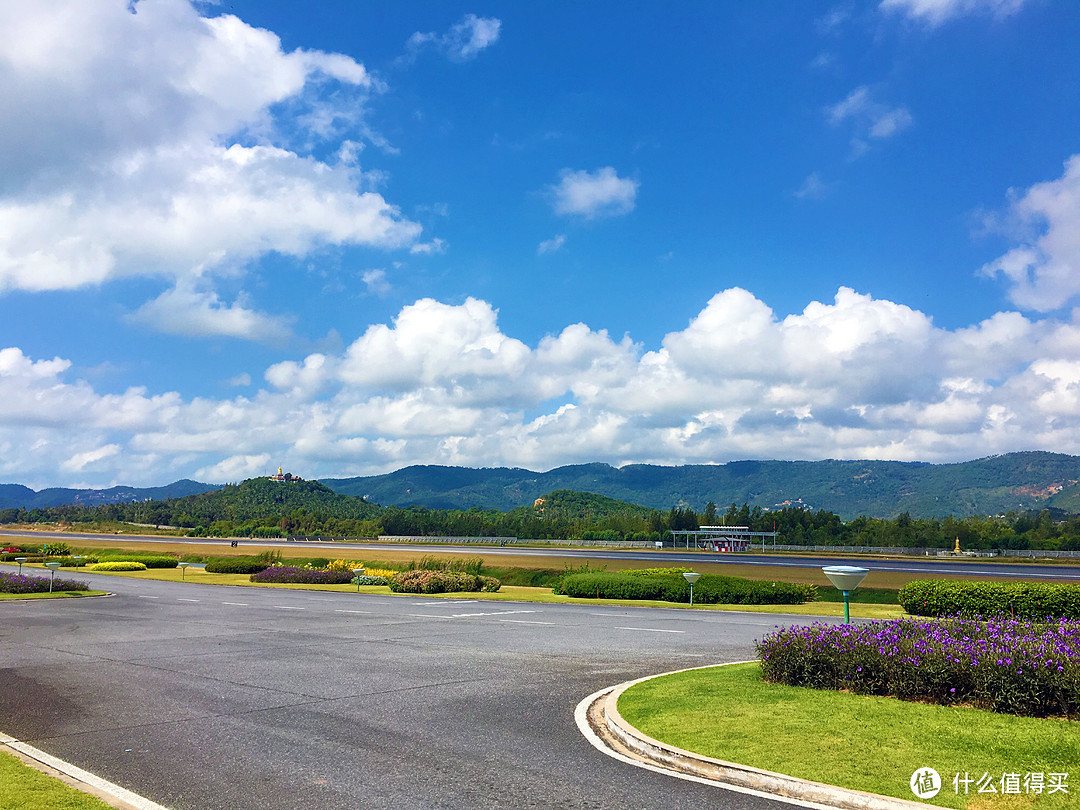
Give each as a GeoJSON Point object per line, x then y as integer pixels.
{"type": "Point", "coordinates": [885, 489]}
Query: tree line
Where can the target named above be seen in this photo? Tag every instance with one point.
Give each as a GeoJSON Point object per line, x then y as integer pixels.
{"type": "Point", "coordinates": [259, 515]}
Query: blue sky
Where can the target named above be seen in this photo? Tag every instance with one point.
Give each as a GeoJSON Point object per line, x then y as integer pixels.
{"type": "Point", "coordinates": [348, 237]}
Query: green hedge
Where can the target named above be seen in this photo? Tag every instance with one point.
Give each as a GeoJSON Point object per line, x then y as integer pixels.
{"type": "Point", "coordinates": [1023, 600]}
{"type": "Point", "coordinates": [236, 565]}
{"type": "Point", "coordinates": [710, 589]}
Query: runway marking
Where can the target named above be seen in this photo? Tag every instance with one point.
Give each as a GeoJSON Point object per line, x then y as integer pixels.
{"type": "Point", "coordinates": [445, 602]}
{"type": "Point", "coordinates": [236, 604]}
{"type": "Point", "coordinates": [524, 621]}
{"type": "Point", "coordinates": [649, 630]}
{"type": "Point", "coordinates": [181, 599]}
{"type": "Point", "coordinates": [366, 612]}
{"type": "Point", "coordinates": [490, 613]}
{"type": "Point", "coordinates": [147, 597]}
{"type": "Point", "coordinates": [426, 616]}
{"type": "Point", "coordinates": [287, 607]}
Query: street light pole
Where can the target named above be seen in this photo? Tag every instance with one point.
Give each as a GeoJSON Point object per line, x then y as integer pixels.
{"type": "Point", "coordinates": [691, 577]}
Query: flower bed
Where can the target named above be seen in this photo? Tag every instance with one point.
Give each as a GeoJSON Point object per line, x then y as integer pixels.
{"type": "Point", "coordinates": [24, 583]}
{"type": "Point", "coordinates": [304, 576]}
{"type": "Point", "coordinates": [1003, 665]}
{"type": "Point", "coordinates": [428, 581]}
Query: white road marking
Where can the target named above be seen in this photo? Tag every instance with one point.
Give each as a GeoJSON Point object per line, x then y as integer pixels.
{"type": "Point", "coordinates": [236, 604]}
{"type": "Point", "coordinates": [181, 599]}
{"type": "Point", "coordinates": [365, 612]}
{"type": "Point", "coordinates": [649, 630]}
{"type": "Point", "coordinates": [288, 607]}
{"type": "Point", "coordinates": [147, 597]}
{"type": "Point", "coordinates": [426, 616]}
{"type": "Point", "coordinates": [524, 621]}
{"type": "Point", "coordinates": [490, 613]}
{"type": "Point", "coordinates": [442, 602]}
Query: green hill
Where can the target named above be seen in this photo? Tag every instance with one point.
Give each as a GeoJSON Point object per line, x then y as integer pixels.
{"type": "Point", "coordinates": [1016, 481]}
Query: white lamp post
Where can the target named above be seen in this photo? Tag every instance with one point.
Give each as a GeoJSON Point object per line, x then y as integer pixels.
{"type": "Point", "coordinates": [52, 566]}
{"type": "Point", "coordinates": [845, 578]}
{"type": "Point", "coordinates": [20, 561]}
{"type": "Point", "coordinates": [357, 573]}
{"type": "Point", "coordinates": [183, 570]}
{"type": "Point", "coordinates": [691, 577]}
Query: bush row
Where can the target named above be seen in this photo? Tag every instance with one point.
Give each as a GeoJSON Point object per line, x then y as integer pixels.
{"type": "Point", "coordinates": [305, 576]}
{"type": "Point", "coordinates": [1022, 600]}
{"type": "Point", "coordinates": [24, 583]}
{"type": "Point", "coordinates": [118, 565]}
{"type": "Point", "coordinates": [430, 581]}
{"type": "Point", "coordinates": [369, 579]}
{"type": "Point", "coordinates": [1003, 665]}
{"type": "Point", "coordinates": [710, 589]}
{"type": "Point", "coordinates": [236, 565]}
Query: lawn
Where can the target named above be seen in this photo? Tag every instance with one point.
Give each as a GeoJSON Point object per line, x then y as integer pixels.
{"type": "Point", "coordinates": [24, 788]}
{"type": "Point", "coordinates": [53, 595]}
{"type": "Point", "coordinates": [865, 743]}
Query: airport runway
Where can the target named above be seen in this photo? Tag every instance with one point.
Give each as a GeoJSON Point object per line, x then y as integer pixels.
{"type": "Point", "coordinates": [923, 566]}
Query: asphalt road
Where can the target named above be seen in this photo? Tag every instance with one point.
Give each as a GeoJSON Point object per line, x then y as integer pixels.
{"type": "Point", "coordinates": [924, 566]}
{"type": "Point", "coordinates": [217, 698]}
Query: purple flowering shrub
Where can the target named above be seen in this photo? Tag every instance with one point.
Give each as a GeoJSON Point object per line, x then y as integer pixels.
{"type": "Point", "coordinates": [24, 583]}
{"type": "Point", "coordinates": [1039, 601]}
{"type": "Point", "coordinates": [1003, 665]}
{"type": "Point", "coordinates": [305, 576]}
{"type": "Point", "coordinates": [429, 581]}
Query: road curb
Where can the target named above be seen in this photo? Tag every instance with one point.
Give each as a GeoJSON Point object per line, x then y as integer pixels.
{"type": "Point", "coordinates": [614, 732]}
{"type": "Point", "coordinates": [111, 794]}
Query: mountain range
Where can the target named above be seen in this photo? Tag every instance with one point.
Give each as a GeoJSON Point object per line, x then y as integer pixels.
{"type": "Point", "coordinates": [1015, 481]}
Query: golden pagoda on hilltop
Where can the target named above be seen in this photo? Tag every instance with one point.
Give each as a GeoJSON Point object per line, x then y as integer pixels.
{"type": "Point", "coordinates": [283, 477]}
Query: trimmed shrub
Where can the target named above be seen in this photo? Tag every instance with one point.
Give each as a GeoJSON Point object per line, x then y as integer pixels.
{"type": "Point", "coordinates": [85, 562]}
{"type": "Point", "coordinates": [118, 566]}
{"type": "Point", "coordinates": [710, 589]}
{"type": "Point", "coordinates": [369, 580]}
{"type": "Point", "coordinates": [30, 557]}
{"type": "Point", "coordinates": [1038, 601]}
{"type": "Point", "coordinates": [236, 565]}
{"type": "Point", "coordinates": [1002, 665]}
{"type": "Point", "coordinates": [24, 583]}
{"type": "Point", "coordinates": [305, 576]}
{"type": "Point", "coordinates": [149, 560]}
{"type": "Point", "coordinates": [432, 581]}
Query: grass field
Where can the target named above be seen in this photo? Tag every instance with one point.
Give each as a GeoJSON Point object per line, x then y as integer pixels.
{"type": "Point", "coordinates": [24, 788]}
{"type": "Point", "coordinates": [866, 743]}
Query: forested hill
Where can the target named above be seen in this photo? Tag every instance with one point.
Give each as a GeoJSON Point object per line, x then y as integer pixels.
{"type": "Point", "coordinates": [295, 507]}
{"type": "Point", "coordinates": [19, 497]}
{"type": "Point", "coordinates": [1016, 481]}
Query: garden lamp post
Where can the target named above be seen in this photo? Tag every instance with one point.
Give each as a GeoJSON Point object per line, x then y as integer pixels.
{"type": "Point", "coordinates": [52, 566]}
{"type": "Point", "coordinates": [845, 578]}
{"type": "Point", "coordinates": [357, 573]}
{"type": "Point", "coordinates": [78, 558]}
{"type": "Point", "coordinates": [183, 570]}
{"type": "Point", "coordinates": [691, 577]}
{"type": "Point", "coordinates": [20, 561]}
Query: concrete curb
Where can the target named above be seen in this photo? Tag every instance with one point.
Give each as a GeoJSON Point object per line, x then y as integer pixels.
{"type": "Point", "coordinates": [615, 732]}
{"type": "Point", "coordinates": [111, 794]}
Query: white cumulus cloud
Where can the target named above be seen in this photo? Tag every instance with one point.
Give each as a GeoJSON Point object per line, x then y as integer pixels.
{"type": "Point", "coordinates": [1044, 271]}
{"type": "Point", "coordinates": [593, 194]}
{"type": "Point", "coordinates": [140, 139]}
